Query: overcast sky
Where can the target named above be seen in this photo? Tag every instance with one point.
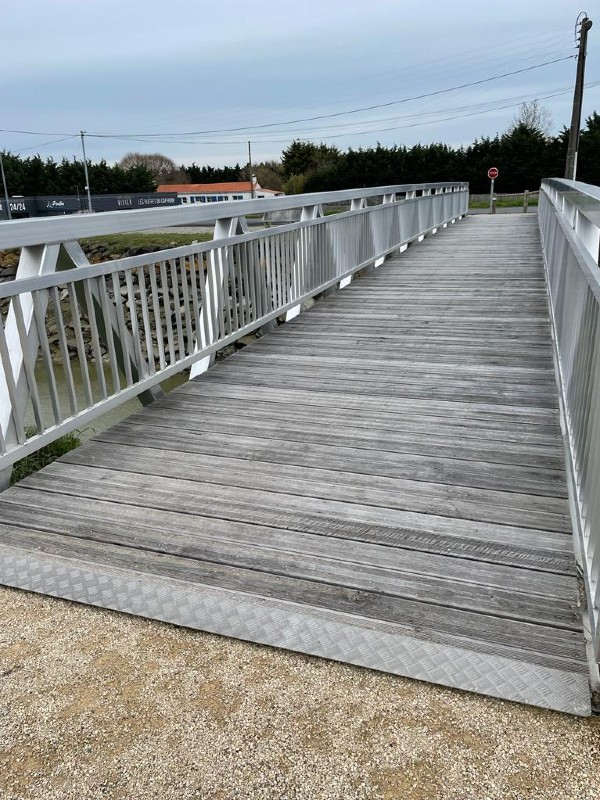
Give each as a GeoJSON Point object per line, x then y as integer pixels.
{"type": "Point", "coordinates": [180, 68]}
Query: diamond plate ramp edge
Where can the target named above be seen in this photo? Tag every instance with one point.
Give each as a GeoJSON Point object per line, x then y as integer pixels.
{"type": "Point", "coordinates": [305, 629]}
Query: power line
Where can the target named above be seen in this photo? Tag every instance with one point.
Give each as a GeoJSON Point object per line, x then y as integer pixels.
{"type": "Point", "coordinates": [350, 133]}
{"type": "Point", "coordinates": [134, 136]}
{"type": "Point", "coordinates": [351, 111]}
{"type": "Point", "coordinates": [44, 144]}
{"type": "Point", "coordinates": [507, 55]}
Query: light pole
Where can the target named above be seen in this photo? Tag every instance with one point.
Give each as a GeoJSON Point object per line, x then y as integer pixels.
{"type": "Point", "coordinates": [6, 200]}
{"type": "Point", "coordinates": [574, 132]}
{"type": "Point", "coordinates": [85, 168]}
{"type": "Point", "coordinates": [251, 170]}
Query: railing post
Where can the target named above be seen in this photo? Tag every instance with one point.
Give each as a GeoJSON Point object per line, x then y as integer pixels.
{"type": "Point", "coordinates": [224, 229]}
{"type": "Point", "coordinates": [588, 233]}
{"type": "Point", "coordinates": [38, 260]}
{"type": "Point", "coordinates": [307, 213]}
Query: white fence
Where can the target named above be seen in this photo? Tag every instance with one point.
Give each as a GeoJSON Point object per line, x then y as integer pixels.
{"type": "Point", "coordinates": [569, 215]}
{"type": "Point", "coordinates": [128, 324]}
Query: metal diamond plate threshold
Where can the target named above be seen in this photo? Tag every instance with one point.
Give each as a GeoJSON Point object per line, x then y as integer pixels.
{"type": "Point", "coordinates": [305, 629]}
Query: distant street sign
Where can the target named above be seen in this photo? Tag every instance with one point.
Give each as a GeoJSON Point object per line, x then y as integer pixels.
{"type": "Point", "coordinates": [492, 173]}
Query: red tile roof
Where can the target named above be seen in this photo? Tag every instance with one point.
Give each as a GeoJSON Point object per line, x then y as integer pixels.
{"type": "Point", "coordinates": [207, 188]}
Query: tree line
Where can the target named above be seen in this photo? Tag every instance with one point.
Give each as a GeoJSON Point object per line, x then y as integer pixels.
{"type": "Point", "coordinates": [524, 154]}
{"type": "Point", "coordinates": [37, 176]}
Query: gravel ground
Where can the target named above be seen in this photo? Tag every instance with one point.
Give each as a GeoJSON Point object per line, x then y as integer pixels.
{"type": "Point", "coordinates": [95, 704]}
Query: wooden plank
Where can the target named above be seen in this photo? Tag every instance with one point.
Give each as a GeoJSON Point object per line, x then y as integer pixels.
{"type": "Point", "coordinates": [273, 406]}
{"type": "Point", "coordinates": [500, 544]}
{"type": "Point", "coordinates": [483, 475]}
{"type": "Point", "coordinates": [421, 442]}
{"type": "Point", "coordinates": [512, 508]}
{"type": "Point", "coordinates": [52, 512]}
{"type": "Point", "coordinates": [521, 420]}
{"type": "Point", "coordinates": [546, 646]}
{"type": "Point", "coordinates": [335, 565]}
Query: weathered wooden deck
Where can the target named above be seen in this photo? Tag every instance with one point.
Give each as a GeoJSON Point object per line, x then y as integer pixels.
{"type": "Point", "coordinates": [380, 481]}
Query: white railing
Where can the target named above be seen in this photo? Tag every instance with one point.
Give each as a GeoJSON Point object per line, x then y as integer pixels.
{"type": "Point", "coordinates": [569, 215]}
{"type": "Point", "coordinates": [108, 332]}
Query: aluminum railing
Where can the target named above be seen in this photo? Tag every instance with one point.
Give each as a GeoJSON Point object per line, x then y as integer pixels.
{"type": "Point", "coordinates": [569, 215]}
{"type": "Point", "coordinates": [108, 332]}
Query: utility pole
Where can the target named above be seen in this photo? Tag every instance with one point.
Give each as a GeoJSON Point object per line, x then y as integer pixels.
{"type": "Point", "coordinates": [251, 170]}
{"type": "Point", "coordinates": [6, 200]}
{"type": "Point", "coordinates": [85, 168]}
{"type": "Point", "coordinates": [571, 165]}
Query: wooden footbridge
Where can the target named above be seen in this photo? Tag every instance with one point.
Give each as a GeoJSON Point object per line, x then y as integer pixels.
{"type": "Point", "coordinates": [404, 476]}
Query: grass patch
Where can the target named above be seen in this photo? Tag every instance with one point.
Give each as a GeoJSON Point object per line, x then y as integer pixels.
{"type": "Point", "coordinates": [119, 243]}
{"type": "Point", "coordinates": [44, 456]}
{"type": "Point", "coordinates": [503, 203]}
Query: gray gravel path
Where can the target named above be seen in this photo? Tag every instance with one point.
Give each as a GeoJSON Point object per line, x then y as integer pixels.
{"type": "Point", "coordinates": [95, 704]}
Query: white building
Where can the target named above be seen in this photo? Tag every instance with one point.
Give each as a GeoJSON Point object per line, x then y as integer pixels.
{"type": "Point", "coordinates": [218, 192]}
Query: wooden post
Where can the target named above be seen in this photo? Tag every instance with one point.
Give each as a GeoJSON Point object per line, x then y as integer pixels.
{"type": "Point", "coordinates": [525, 200]}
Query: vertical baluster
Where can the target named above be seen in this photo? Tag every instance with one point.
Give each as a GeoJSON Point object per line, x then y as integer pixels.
{"type": "Point", "coordinates": [141, 282]}
{"type": "Point", "coordinates": [81, 353]}
{"type": "Point", "coordinates": [28, 364]}
{"type": "Point", "coordinates": [195, 272]}
{"type": "Point", "coordinates": [222, 309]}
{"type": "Point", "coordinates": [227, 290]}
{"type": "Point", "coordinates": [40, 321]}
{"type": "Point", "coordinates": [175, 267]}
{"type": "Point", "coordinates": [133, 317]}
{"type": "Point", "coordinates": [304, 271]}
{"type": "Point", "coordinates": [260, 251]}
{"type": "Point", "coordinates": [234, 289]}
{"type": "Point", "coordinates": [17, 418]}
{"type": "Point", "coordinates": [249, 302]}
{"type": "Point", "coordinates": [256, 278]}
{"type": "Point", "coordinates": [320, 230]}
{"type": "Point", "coordinates": [64, 349]}
{"type": "Point", "coordinates": [108, 333]}
{"type": "Point", "coordinates": [168, 311]}
{"type": "Point", "coordinates": [91, 308]}
{"type": "Point", "coordinates": [157, 316]}
{"type": "Point", "coordinates": [118, 302]}
{"type": "Point", "coordinates": [207, 318]}
{"type": "Point", "coordinates": [279, 260]}
{"type": "Point", "coordinates": [276, 244]}
{"type": "Point", "coordinates": [288, 269]}
{"type": "Point", "coordinates": [184, 263]}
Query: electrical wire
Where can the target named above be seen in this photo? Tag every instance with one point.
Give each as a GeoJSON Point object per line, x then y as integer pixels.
{"type": "Point", "coordinates": [255, 128]}
{"type": "Point", "coordinates": [45, 144]}
{"type": "Point", "coordinates": [352, 133]}
{"type": "Point", "coordinates": [351, 111]}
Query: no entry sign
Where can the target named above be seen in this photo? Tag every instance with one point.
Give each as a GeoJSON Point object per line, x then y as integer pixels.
{"type": "Point", "coordinates": [492, 173]}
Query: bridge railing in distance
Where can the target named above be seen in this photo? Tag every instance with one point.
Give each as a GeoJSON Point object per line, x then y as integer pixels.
{"type": "Point", "coordinates": [569, 215]}
{"type": "Point", "coordinates": [77, 339]}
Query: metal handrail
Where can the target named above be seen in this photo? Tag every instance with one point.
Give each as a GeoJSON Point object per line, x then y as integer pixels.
{"type": "Point", "coordinates": [569, 216]}
{"type": "Point", "coordinates": [134, 322]}
{"type": "Point", "coordinates": [47, 230]}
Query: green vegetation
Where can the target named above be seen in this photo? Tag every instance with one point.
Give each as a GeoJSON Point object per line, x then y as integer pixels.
{"type": "Point", "coordinates": [524, 154]}
{"type": "Point", "coordinates": [35, 175]}
{"type": "Point", "coordinates": [120, 243]}
{"type": "Point", "coordinates": [46, 455]}
{"type": "Point", "coordinates": [502, 202]}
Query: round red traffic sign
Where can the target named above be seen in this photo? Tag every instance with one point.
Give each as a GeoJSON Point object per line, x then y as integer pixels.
{"type": "Point", "coordinates": [492, 172]}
